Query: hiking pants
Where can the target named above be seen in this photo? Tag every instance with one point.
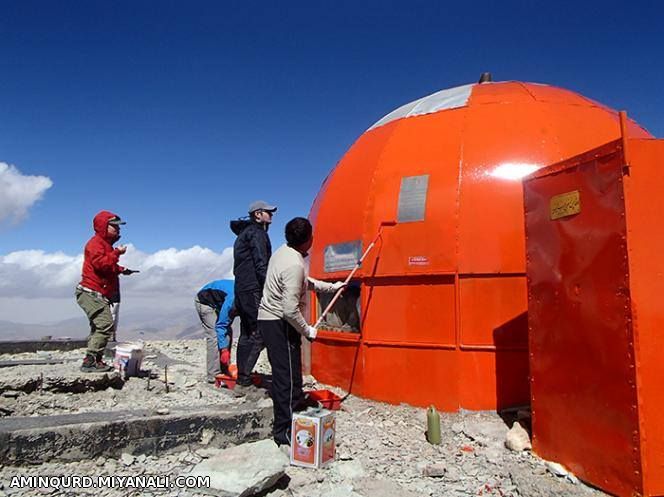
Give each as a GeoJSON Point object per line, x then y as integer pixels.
{"type": "Point", "coordinates": [250, 343]}
{"type": "Point", "coordinates": [283, 349]}
{"type": "Point", "coordinates": [102, 315]}
{"type": "Point", "coordinates": [208, 317]}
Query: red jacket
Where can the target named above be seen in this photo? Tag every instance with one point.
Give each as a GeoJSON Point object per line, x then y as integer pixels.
{"type": "Point", "coordinates": [100, 261]}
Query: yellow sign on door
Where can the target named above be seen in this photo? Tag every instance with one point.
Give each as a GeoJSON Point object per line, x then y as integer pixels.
{"type": "Point", "coordinates": [565, 204]}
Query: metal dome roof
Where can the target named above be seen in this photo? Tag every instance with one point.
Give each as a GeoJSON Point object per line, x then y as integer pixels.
{"type": "Point", "coordinates": [492, 92]}
{"type": "Point", "coordinates": [443, 295]}
{"type": "Point", "coordinates": [441, 100]}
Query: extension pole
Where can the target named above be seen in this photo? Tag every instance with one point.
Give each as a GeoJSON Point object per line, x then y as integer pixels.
{"type": "Point", "coordinates": [352, 273]}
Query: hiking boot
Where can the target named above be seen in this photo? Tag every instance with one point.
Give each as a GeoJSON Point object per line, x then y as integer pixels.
{"type": "Point", "coordinates": [282, 440]}
{"type": "Point", "coordinates": [306, 402]}
{"type": "Point", "coordinates": [243, 389]}
{"type": "Point", "coordinates": [250, 391]}
{"type": "Point", "coordinates": [223, 390]}
{"type": "Point", "coordinates": [92, 365]}
{"type": "Point", "coordinates": [101, 364]}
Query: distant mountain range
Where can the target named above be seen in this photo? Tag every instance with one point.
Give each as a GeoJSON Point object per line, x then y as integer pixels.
{"type": "Point", "coordinates": [176, 324]}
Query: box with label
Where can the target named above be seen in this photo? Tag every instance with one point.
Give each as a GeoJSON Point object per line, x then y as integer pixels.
{"type": "Point", "coordinates": [312, 443]}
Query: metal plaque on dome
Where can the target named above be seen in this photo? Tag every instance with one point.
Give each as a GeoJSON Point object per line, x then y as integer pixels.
{"type": "Point", "coordinates": [342, 256]}
{"type": "Point", "coordinates": [412, 198]}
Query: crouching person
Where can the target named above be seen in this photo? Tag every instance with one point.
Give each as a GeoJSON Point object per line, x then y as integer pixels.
{"type": "Point", "coordinates": [214, 304]}
{"type": "Point", "coordinates": [98, 293]}
{"type": "Point", "coordinates": [282, 325]}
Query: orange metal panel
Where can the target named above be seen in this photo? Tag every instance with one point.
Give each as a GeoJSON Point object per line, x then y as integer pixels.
{"type": "Point", "coordinates": [419, 146]}
{"type": "Point", "coordinates": [500, 93]}
{"type": "Point", "coordinates": [581, 350]}
{"type": "Point", "coordinates": [415, 376]}
{"type": "Point", "coordinates": [594, 125]}
{"type": "Point", "coordinates": [494, 161]}
{"type": "Point", "coordinates": [502, 322]}
{"type": "Point", "coordinates": [493, 380]}
{"type": "Point", "coordinates": [554, 95]}
{"type": "Point", "coordinates": [340, 209]}
{"type": "Point", "coordinates": [645, 207]}
{"type": "Point", "coordinates": [343, 365]}
{"type": "Point", "coordinates": [416, 310]}
{"type": "Point", "coordinates": [496, 158]}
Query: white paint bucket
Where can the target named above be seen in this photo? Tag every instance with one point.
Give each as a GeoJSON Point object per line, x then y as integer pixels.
{"type": "Point", "coordinates": [128, 358]}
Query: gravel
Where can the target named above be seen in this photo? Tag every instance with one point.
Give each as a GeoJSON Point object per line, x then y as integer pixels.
{"type": "Point", "coordinates": [381, 448]}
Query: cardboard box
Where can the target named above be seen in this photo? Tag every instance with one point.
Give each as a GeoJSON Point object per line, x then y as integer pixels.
{"type": "Point", "coordinates": [312, 444]}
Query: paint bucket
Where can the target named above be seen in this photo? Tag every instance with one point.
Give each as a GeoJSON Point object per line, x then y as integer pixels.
{"type": "Point", "coordinates": [229, 381]}
{"type": "Point", "coordinates": [313, 438]}
{"type": "Point", "coordinates": [328, 399]}
{"type": "Point", "coordinates": [128, 358]}
{"type": "Point", "coordinates": [225, 381]}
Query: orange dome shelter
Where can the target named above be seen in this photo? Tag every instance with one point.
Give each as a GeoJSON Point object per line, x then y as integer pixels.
{"type": "Point", "coordinates": [437, 312]}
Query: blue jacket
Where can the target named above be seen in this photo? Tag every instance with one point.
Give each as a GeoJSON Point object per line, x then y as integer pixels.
{"type": "Point", "coordinates": [220, 295]}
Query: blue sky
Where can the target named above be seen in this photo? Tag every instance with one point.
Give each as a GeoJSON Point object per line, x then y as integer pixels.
{"type": "Point", "coordinates": [178, 114]}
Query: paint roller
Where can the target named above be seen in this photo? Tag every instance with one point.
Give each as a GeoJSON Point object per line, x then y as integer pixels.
{"type": "Point", "coordinates": [352, 273]}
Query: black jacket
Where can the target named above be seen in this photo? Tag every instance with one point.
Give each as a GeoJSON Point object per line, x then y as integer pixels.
{"type": "Point", "coordinates": [251, 253]}
{"type": "Point", "coordinates": [212, 297]}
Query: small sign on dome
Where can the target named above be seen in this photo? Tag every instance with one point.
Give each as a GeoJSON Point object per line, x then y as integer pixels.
{"type": "Point", "coordinates": [413, 198]}
{"type": "Point", "coordinates": [342, 256]}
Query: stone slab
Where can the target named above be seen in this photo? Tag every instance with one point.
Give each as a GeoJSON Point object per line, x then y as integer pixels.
{"type": "Point", "coordinates": [30, 362]}
{"type": "Point", "coordinates": [74, 437]}
{"type": "Point", "coordinates": [74, 382]}
{"type": "Point", "coordinates": [22, 346]}
{"type": "Point", "coordinates": [243, 470]}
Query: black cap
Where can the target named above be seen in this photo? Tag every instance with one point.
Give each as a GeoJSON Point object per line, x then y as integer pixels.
{"type": "Point", "coordinates": [116, 220]}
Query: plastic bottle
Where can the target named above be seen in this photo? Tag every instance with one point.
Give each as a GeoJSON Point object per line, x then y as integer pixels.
{"type": "Point", "coordinates": [433, 426]}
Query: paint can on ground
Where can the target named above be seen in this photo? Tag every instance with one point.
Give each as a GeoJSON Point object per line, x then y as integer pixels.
{"type": "Point", "coordinates": [313, 438]}
{"type": "Point", "coordinates": [128, 358]}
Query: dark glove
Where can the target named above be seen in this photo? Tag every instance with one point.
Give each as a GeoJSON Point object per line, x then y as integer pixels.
{"type": "Point", "coordinates": [130, 271]}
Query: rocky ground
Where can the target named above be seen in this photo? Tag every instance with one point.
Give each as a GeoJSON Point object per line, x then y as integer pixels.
{"type": "Point", "coordinates": [177, 361]}
{"type": "Point", "coordinates": [381, 449]}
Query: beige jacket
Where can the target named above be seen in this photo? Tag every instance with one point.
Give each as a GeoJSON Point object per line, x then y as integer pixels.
{"type": "Point", "coordinates": [286, 286]}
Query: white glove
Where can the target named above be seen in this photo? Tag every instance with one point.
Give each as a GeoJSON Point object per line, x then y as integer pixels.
{"type": "Point", "coordinates": [311, 332]}
{"type": "Point", "coordinates": [337, 285]}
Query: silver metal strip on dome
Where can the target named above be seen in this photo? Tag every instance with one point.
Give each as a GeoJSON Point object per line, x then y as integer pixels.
{"type": "Point", "coordinates": [451, 98]}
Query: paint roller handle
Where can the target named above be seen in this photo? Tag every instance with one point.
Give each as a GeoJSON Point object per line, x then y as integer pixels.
{"type": "Point", "coordinates": [352, 273]}
{"type": "Point", "coordinates": [331, 304]}
{"type": "Point", "coordinates": [346, 281]}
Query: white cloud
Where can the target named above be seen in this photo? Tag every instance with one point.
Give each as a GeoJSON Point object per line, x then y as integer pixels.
{"type": "Point", "coordinates": [167, 277]}
{"type": "Point", "coordinates": [18, 192]}
{"type": "Point", "coordinates": [175, 272]}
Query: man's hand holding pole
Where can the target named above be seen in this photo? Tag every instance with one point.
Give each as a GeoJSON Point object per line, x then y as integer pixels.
{"type": "Point", "coordinates": [311, 333]}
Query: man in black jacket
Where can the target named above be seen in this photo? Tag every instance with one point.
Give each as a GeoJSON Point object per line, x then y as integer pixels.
{"type": "Point", "coordinates": [251, 253]}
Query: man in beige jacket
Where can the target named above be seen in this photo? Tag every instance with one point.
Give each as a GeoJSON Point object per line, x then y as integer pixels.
{"type": "Point", "coordinates": [282, 325]}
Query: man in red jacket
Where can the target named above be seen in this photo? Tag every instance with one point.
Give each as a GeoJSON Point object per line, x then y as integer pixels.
{"type": "Point", "coordinates": [98, 293]}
